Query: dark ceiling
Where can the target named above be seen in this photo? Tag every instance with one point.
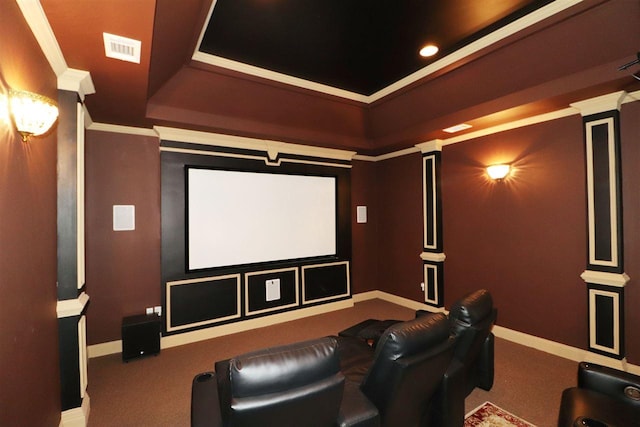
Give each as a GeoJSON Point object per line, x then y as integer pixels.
{"type": "Point", "coordinates": [362, 48]}
{"type": "Point", "coordinates": [358, 45]}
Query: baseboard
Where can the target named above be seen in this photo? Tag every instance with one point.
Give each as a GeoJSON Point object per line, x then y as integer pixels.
{"type": "Point", "coordinates": [77, 417]}
{"type": "Point", "coordinates": [114, 347]}
{"type": "Point", "coordinates": [542, 344]}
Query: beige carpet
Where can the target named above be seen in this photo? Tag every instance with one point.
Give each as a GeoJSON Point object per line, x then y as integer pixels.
{"type": "Point", "coordinates": [156, 391]}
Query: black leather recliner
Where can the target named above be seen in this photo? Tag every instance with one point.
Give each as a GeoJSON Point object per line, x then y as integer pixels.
{"type": "Point", "coordinates": [292, 385]}
{"type": "Point", "coordinates": [471, 319]}
{"type": "Point", "coordinates": [402, 374]}
{"type": "Point", "coordinates": [604, 397]}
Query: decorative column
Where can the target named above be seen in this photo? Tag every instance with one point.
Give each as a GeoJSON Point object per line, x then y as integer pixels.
{"type": "Point", "coordinates": [72, 298]}
{"type": "Point", "coordinates": [432, 253]}
{"type": "Point", "coordinates": [604, 276]}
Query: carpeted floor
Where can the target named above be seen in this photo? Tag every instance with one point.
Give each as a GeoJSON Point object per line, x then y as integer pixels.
{"type": "Point", "coordinates": [156, 391]}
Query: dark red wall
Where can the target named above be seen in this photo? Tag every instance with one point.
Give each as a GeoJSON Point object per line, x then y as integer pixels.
{"type": "Point", "coordinates": [30, 373]}
{"type": "Point", "coordinates": [399, 187]}
{"type": "Point", "coordinates": [364, 240]}
{"type": "Point", "coordinates": [123, 267]}
{"type": "Point", "coordinates": [630, 136]}
{"type": "Point", "coordinates": [524, 238]}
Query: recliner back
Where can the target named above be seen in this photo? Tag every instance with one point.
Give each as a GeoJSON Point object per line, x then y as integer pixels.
{"type": "Point", "coordinates": [409, 363]}
{"type": "Point", "coordinates": [472, 318]}
{"type": "Point", "coordinates": [283, 386]}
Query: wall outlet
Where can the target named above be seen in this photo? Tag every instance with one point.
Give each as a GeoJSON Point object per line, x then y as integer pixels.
{"type": "Point", "coordinates": [149, 310]}
{"type": "Point", "coordinates": [157, 310]}
{"type": "Point", "coordinates": [272, 290]}
{"type": "Point", "coordinates": [422, 286]}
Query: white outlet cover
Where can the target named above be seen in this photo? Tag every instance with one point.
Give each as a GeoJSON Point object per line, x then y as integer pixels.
{"type": "Point", "coordinates": [361, 214]}
{"type": "Point", "coordinates": [124, 217]}
{"type": "Point", "coordinates": [272, 290]}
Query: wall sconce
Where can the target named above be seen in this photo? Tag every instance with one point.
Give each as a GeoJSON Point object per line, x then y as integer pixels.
{"type": "Point", "coordinates": [498, 172]}
{"type": "Point", "coordinates": [32, 114]}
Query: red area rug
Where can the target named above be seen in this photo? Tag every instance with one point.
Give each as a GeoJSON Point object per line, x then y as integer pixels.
{"type": "Point", "coordinates": [490, 415]}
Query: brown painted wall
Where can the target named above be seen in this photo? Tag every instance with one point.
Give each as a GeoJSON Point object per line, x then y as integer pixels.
{"type": "Point", "coordinates": [123, 267]}
{"type": "Point", "coordinates": [630, 136]}
{"type": "Point", "coordinates": [524, 239]}
{"type": "Point", "coordinates": [30, 373]}
{"type": "Point", "coordinates": [364, 237]}
{"type": "Point", "coordinates": [399, 187]}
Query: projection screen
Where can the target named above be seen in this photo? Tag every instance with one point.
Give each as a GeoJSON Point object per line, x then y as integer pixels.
{"type": "Point", "coordinates": [238, 217]}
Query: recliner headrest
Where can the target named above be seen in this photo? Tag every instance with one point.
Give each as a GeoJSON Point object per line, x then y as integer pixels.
{"type": "Point", "coordinates": [408, 338]}
{"type": "Point", "coordinates": [473, 307]}
{"type": "Point", "coordinates": [276, 369]}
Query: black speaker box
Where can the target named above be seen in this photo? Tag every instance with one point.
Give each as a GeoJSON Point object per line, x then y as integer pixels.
{"type": "Point", "coordinates": [140, 336]}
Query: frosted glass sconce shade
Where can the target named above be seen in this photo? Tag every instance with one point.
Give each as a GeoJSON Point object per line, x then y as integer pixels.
{"type": "Point", "coordinates": [32, 114]}
{"type": "Point", "coordinates": [498, 171]}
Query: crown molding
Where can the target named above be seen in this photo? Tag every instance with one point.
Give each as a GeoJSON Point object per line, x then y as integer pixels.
{"type": "Point", "coordinates": [472, 48]}
{"type": "Point", "coordinates": [270, 146]}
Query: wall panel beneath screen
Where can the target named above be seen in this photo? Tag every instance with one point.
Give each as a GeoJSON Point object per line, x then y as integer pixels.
{"type": "Point", "coordinates": [246, 233]}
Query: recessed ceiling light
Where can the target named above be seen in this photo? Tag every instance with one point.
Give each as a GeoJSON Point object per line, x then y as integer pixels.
{"type": "Point", "coordinates": [429, 50]}
{"type": "Point", "coordinates": [457, 128]}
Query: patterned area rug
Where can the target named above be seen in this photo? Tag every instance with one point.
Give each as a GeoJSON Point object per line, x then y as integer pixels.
{"type": "Point", "coordinates": [489, 415]}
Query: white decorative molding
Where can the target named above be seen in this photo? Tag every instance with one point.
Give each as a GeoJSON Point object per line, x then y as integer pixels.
{"type": "Point", "coordinates": [278, 307]}
{"type": "Point", "coordinates": [528, 121]}
{"type": "Point", "coordinates": [429, 146]}
{"type": "Point", "coordinates": [72, 307]}
{"type": "Point", "coordinates": [187, 282]}
{"type": "Point", "coordinates": [460, 54]}
{"type": "Point", "coordinates": [433, 256]}
{"type": "Point", "coordinates": [600, 104]}
{"type": "Point", "coordinates": [41, 29]}
{"type": "Point", "coordinates": [77, 417]}
{"type": "Point", "coordinates": [230, 141]}
{"type": "Point", "coordinates": [68, 78]}
{"type": "Point", "coordinates": [614, 171]}
{"type": "Point", "coordinates": [542, 344]}
{"type": "Point", "coordinates": [319, 266]}
{"type": "Point", "coordinates": [129, 130]}
{"type": "Point", "coordinates": [603, 278]}
{"type": "Point", "coordinates": [258, 322]}
{"type": "Point", "coordinates": [615, 320]}
{"type": "Point", "coordinates": [399, 153]}
{"type": "Point", "coordinates": [76, 81]}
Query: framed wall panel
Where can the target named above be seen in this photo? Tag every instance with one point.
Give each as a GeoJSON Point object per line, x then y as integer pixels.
{"type": "Point", "coordinates": [431, 202]}
{"type": "Point", "coordinates": [324, 282]}
{"type": "Point", "coordinates": [257, 290]}
{"type": "Point", "coordinates": [433, 283]}
{"type": "Point", "coordinates": [432, 256]}
{"type": "Point", "coordinates": [606, 332]}
{"type": "Point", "coordinates": [194, 303]}
{"type": "Point", "coordinates": [604, 212]}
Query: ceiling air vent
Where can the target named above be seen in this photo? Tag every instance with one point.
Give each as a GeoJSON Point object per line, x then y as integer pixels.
{"type": "Point", "coordinates": [122, 48]}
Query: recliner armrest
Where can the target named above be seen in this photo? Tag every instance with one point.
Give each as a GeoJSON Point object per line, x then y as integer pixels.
{"type": "Point", "coordinates": [205, 405]}
{"type": "Point", "coordinates": [356, 410]}
{"type": "Point", "coordinates": [611, 382]}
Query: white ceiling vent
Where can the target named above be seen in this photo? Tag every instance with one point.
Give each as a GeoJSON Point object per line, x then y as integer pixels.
{"type": "Point", "coordinates": [122, 48]}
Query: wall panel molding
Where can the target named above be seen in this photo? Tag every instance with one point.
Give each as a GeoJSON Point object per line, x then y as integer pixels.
{"type": "Point", "coordinates": [432, 256]}
{"type": "Point", "coordinates": [604, 276]}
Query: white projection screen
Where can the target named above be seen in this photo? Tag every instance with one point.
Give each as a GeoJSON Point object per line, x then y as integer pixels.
{"type": "Point", "coordinates": [238, 217]}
